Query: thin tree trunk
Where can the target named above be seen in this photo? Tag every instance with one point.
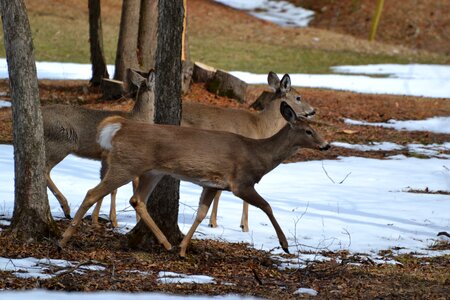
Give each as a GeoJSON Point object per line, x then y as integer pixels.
{"type": "Point", "coordinates": [126, 56]}
{"type": "Point", "coordinates": [164, 201]}
{"type": "Point", "coordinates": [99, 70]}
{"type": "Point", "coordinates": [31, 217]}
{"type": "Point", "coordinates": [147, 34]}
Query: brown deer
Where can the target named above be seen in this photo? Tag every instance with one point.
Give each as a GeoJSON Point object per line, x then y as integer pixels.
{"type": "Point", "coordinates": [204, 157]}
{"type": "Point", "coordinates": [256, 125]}
{"type": "Point", "coordinates": [72, 130]}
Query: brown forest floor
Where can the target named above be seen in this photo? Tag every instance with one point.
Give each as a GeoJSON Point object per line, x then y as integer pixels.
{"type": "Point", "coordinates": [239, 268]}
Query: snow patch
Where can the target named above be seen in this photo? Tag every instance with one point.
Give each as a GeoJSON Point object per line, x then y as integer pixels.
{"type": "Point", "coordinates": [4, 103]}
{"type": "Point", "coordinates": [435, 124]}
{"type": "Point", "coordinates": [176, 278]}
{"type": "Point", "coordinates": [307, 291]}
{"type": "Point", "coordinates": [281, 12]}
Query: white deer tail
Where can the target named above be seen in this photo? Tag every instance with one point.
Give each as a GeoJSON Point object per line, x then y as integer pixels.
{"type": "Point", "coordinates": [107, 130]}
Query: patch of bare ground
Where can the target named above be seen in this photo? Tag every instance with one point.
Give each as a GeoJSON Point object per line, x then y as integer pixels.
{"type": "Point", "coordinates": [209, 16]}
{"type": "Point", "coordinates": [258, 272]}
{"type": "Point", "coordinates": [418, 24]}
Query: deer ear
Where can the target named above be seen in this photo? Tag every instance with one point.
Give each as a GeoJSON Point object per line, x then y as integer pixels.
{"type": "Point", "coordinates": [285, 84]}
{"type": "Point", "coordinates": [287, 112]}
{"type": "Point", "coordinates": [151, 80]}
{"type": "Point", "coordinates": [273, 80]}
{"type": "Point", "coordinates": [135, 77]}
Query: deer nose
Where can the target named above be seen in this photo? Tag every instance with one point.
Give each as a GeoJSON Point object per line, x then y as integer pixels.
{"type": "Point", "coordinates": [324, 147]}
{"type": "Point", "coordinates": [311, 113]}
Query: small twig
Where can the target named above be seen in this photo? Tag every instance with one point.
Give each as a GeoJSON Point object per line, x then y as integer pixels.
{"type": "Point", "coordinates": [326, 173]}
{"type": "Point", "coordinates": [340, 182]}
{"type": "Point", "coordinates": [79, 265]}
{"type": "Point", "coordinates": [257, 277]}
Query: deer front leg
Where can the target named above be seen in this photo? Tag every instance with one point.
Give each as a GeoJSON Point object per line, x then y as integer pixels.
{"type": "Point", "coordinates": [244, 218]}
{"type": "Point", "coordinates": [213, 218]}
{"type": "Point", "coordinates": [145, 187]}
{"type": "Point", "coordinates": [248, 194]}
{"type": "Point", "coordinates": [205, 201]}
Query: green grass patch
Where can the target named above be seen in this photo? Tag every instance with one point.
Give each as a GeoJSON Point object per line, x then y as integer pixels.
{"type": "Point", "coordinates": [66, 39]}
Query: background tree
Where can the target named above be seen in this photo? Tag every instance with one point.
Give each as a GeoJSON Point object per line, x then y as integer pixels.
{"type": "Point", "coordinates": [31, 216]}
{"type": "Point", "coordinates": [126, 55]}
{"type": "Point", "coordinates": [147, 34]}
{"type": "Point", "coordinates": [164, 202]}
{"type": "Point", "coordinates": [99, 69]}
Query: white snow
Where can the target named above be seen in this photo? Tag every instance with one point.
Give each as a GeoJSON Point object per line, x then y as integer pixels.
{"type": "Point", "coordinates": [436, 124]}
{"type": "Point", "coordinates": [34, 267]}
{"type": "Point", "coordinates": [368, 212]}
{"type": "Point", "coordinates": [384, 146]}
{"type": "Point", "coordinates": [52, 295]}
{"type": "Point", "coordinates": [432, 84]}
{"type": "Point", "coordinates": [431, 150]}
{"type": "Point", "coordinates": [281, 12]}
{"type": "Point", "coordinates": [176, 278]}
{"type": "Point", "coordinates": [4, 103]}
{"type": "Point", "coordinates": [432, 80]}
{"type": "Point", "coordinates": [308, 291]}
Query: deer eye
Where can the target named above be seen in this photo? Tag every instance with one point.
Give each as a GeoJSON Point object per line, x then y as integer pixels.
{"type": "Point", "coordinates": [308, 132]}
{"type": "Point", "coordinates": [298, 98]}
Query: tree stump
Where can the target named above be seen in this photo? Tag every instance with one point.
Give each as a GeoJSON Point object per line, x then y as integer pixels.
{"type": "Point", "coordinates": [202, 73]}
{"type": "Point", "coordinates": [225, 84]}
{"type": "Point", "coordinates": [112, 89]}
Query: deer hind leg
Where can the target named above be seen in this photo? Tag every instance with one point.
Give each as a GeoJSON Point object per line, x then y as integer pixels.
{"type": "Point", "coordinates": [106, 186]}
{"type": "Point", "coordinates": [213, 218]}
{"type": "Point", "coordinates": [205, 201]}
{"type": "Point", "coordinates": [112, 210]}
{"type": "Point", "coordinates": [249, 195]}
{"type": "Point", "coordinates": [135, 186]}
{"type": "Point", "coordinates": [244, 218]}
{"type": "Point", "coordinates": [147, 184]}
{"type": "Point", "coordinates": [52, 161]}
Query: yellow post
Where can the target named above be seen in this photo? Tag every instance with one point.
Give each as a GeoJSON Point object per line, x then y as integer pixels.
{"type": "Point", "coordinates": [376, 19]}
{"type": "Point", "coordinates": [183, 38]}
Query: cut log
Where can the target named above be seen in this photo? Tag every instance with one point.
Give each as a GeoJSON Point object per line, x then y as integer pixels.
{"type": "Point", "coordinates": [202, 73]}
{"type": "Point", "coordinates": [225, 84]}
{"type": "Point", "coordinates": [112, 89]}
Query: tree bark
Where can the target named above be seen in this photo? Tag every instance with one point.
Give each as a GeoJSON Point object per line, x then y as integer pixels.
{"type": "Point", "coordinates": [164, 201]}
{"type": "Point", "coordinates": [99, 70]}
{"type": "Point", "coordinates": [31, 217]}
{"type": "Point", "coordinates": [126, 56]}
{"type": "Point", "coordinates": [148, 24]}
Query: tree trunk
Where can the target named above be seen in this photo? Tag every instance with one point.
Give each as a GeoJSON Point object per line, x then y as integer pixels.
{"type": "Point", "coordinates": [31, 217]}
{"type": "Point", "coordinates": [164, 201]}
{"type": "Point", "coordinates": [147, 34]}
{"type": "Point", "coordinates": [126, 56]}
{"type": "Point", "coordinates": [99, 70]}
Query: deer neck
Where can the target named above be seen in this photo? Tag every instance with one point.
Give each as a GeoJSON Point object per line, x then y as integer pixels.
{"type": "Point", "coordinates": [270, 120]}
{"type": "Point", "coordinates": [143, 109]}
{"type": "Point", "coordinates": [278, 147]}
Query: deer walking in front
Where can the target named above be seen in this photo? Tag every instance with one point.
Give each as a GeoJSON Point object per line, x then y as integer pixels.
{"type": "Point", "coordinates": [204, 157]}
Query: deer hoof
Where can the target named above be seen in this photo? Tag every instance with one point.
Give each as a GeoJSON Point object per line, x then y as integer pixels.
{"type": "Point", "coordinates": [286, 250]}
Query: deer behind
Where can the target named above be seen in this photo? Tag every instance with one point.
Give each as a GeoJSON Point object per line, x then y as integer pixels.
{"type": "Point", "coordinates": [204, 157]}
{"type": "Point", "coordinates": [73, 130]}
